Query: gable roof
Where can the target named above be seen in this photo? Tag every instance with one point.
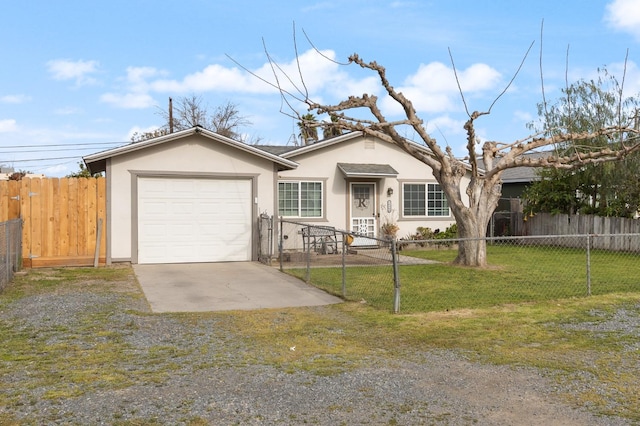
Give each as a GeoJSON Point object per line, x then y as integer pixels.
{"type": "Point", "coordinates": [322, 144]}
{"type": "Point", "coordinates": [97, 162]}
{"type": "Point", "coordinates": [367, 170]}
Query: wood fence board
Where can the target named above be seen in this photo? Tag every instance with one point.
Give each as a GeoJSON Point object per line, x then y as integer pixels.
{"type": "Point", "coordinates": [63, 229]}
{"type": "Point", "coordinates": [4, 201]}
{"type": "Point", "coordinates": [82, 217]}
{"type": "Point", "coordinates": [91, 212]}
{"type": "Point", "coordinates": [14, 202]}
{"type": "Point", "coordinates": [73, 218]}
{"type": "Point", "coordinates": [36, 217]}
{"type": "Point", "coordinates": [101, 209]}
{"type": "Point", "coordinates": [25, 212]}
{"type": "Point", "coordinates": [46, 206]}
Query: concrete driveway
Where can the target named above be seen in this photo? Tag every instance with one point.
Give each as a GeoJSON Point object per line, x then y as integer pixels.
{"type": "Point", "coordinates": [202, 287]}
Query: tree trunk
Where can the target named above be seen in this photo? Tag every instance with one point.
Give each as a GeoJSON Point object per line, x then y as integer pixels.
{"type": "Point", "coordinates": [472, 220]}
{"type": "Point", "coordinates": [472, 247]}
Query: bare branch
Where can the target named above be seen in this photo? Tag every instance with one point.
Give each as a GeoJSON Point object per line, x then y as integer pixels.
{"type": "Point", "coordinates": [512, 78]}
{"type": "Point", "coordinates": [455, 73]}
{"type": "Point", "coordinates": [624, 75]}
{"type": "Point", "coordinates": [544, 99]}
{"type": "Point", "coordinates": [320, 52]}
{"type": "Point", "coordinates": [295, 46]}
{"type": "Point", "coordinates": [514, 158]}
{"type": "Point", "coordinates": [274, 85]}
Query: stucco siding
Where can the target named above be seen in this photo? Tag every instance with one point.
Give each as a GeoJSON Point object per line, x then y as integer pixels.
{"type": "Point", "coordinates": [194, 156]}
{"type": "Point", "coordinates": [322, 163]}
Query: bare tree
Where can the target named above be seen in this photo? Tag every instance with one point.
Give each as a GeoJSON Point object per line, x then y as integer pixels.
{"type": "Point", "coordinates": [191, 111]}
{"type": "Point", "coordinates": [471, 205]}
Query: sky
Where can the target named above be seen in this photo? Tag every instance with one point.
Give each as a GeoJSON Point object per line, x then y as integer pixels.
{"type": "Point", "coordinates": [80, 77]}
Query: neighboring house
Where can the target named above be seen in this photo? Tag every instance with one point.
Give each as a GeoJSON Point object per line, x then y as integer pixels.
{"type": "Point", "coordinates": [194, 196]}
{"type": "Point", "coordinates": [515, 181]}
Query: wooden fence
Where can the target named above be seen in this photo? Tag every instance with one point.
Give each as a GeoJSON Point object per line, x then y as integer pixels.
{"type": "Point", "coordinates": [64, 220]}
{"type": "Point", "coordinates": [564, 224]}
{"type": "Point", "coordinates": [608, 233]}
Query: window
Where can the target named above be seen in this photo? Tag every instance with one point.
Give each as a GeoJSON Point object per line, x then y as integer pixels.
{"type": "Point", "coordinates": [300, 199]}
{"type": "Point", "coordinates": [421, 199]}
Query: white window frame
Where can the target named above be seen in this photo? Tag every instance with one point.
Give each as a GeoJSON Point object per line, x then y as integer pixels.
{"type": "Point", "coordinates": [299, 200]}
{"type": "Point", "coordinates": [429, 213]}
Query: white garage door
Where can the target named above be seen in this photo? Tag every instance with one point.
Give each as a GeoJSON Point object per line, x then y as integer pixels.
{"type": "Point", "coordinates": [193, 220]}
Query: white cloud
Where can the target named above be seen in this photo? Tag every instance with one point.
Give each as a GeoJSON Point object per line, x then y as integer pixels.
{"type": "Point", "coordinates": [433, 88]}
{"type": "Point", "coordinates": [8, 125]}
{"type": "Point", "coordinates": [624, 15]}
{"type": "Point", "coordinates": [137, 88]}
{"type": "Point", "coordinates": [63, 69]}
{"type": "Point", "coordinates": [15, 99]}
{"type": "Point", "coordinates": [317, 73]}
{"type": "Point", "coordinates": [631, 74]}
{"type": "Point", "coordinates": [523, 116]}
{"type": "Point", "coordinates": [213, 78]}
{"type": "Point", "coordinates": [444, 125]}
{"type": "Point", "coordinates": [128, 100]}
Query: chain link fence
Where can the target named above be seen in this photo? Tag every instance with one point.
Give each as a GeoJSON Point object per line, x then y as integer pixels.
{"type": "Point", "coordinates": [354, 266]}
{"type": "Point", "coordinates": [420, 276]}
{"type": "Point", "coordinates": [10, 250]}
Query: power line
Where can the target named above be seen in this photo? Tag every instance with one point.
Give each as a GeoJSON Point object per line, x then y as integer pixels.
{"type": "Point", "coordinates": [42, 159]}
{"type": "Point", "coordinates": [39, 150]}
{"type": "Point", "coordinates": [66, 144]}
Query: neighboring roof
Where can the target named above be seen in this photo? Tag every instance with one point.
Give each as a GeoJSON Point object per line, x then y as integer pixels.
{"type": "Point", "coordinates": [97, 162]}
{"type": "Point", "coordinates": [367, 170]}
{"type": "Point", "coordinates": [521, 174]}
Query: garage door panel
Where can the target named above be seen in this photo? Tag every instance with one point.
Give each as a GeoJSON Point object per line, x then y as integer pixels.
{"type": "Point", "coordinates": [194, 220]}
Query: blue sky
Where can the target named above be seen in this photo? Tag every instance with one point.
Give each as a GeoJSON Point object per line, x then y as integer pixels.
{"type": "Point", "coordinates": [78, 77]}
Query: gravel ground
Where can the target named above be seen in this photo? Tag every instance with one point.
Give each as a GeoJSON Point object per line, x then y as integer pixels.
{"type": "Point", "coordinates": [209, 379]}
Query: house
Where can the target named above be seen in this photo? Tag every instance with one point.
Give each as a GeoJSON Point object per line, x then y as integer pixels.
{"type": "Point", "coordinates": [507, 217]}
{"type": "Point", "coordinates": [195, 196]}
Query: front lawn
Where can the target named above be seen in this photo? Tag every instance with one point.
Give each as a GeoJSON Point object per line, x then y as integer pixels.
{"type": "Point", "coordinates": [515, 274]}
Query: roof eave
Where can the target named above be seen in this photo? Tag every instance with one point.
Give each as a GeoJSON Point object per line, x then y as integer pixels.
{"type": "Point", "coordinates": [99, 159]}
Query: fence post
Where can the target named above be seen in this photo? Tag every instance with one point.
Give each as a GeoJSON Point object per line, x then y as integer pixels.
{"type": "Point", "coordinates": [18, 247]}
{"type": "Point", "coordinates": [280, 244]}
{"type": "Point", "coordinates": [307, 276]}
{"type": "Point", "coordinates": [344, 265]}
{"type": "Point", "coordinates": [7, 235]}
{"type": "Point", "coordinates": [396, 277]}
{"type": "Point", "coordinates": [588, 264]}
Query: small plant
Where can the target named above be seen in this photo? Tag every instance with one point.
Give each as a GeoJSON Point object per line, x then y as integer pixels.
{"type": "Point", "coordinates": [389, 229]}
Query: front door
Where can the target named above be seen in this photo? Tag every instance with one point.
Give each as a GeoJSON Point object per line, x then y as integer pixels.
{"type": "Point", "coordinates": [363, 213]}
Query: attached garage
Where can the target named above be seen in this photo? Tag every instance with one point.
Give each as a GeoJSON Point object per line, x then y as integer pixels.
{"type": "Point", "coordinates": [187, 197]}
{"type": "Point", "coordinates": [184, 220]}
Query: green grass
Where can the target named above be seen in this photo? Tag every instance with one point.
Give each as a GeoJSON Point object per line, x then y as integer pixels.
{"type": "Point", "coordinates": [515, 274]}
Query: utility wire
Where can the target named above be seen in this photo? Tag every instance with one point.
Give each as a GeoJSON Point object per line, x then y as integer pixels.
{"type": "Point", "coordinates": [66, 144]}
{"type": "Point", "coordinates": [41, 159]}
{"type": "Point", "coordinates": [40, 150]}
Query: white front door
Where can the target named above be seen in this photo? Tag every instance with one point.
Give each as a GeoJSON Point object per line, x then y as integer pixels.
{"type": "Point", "coordinates": [363, 213]}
